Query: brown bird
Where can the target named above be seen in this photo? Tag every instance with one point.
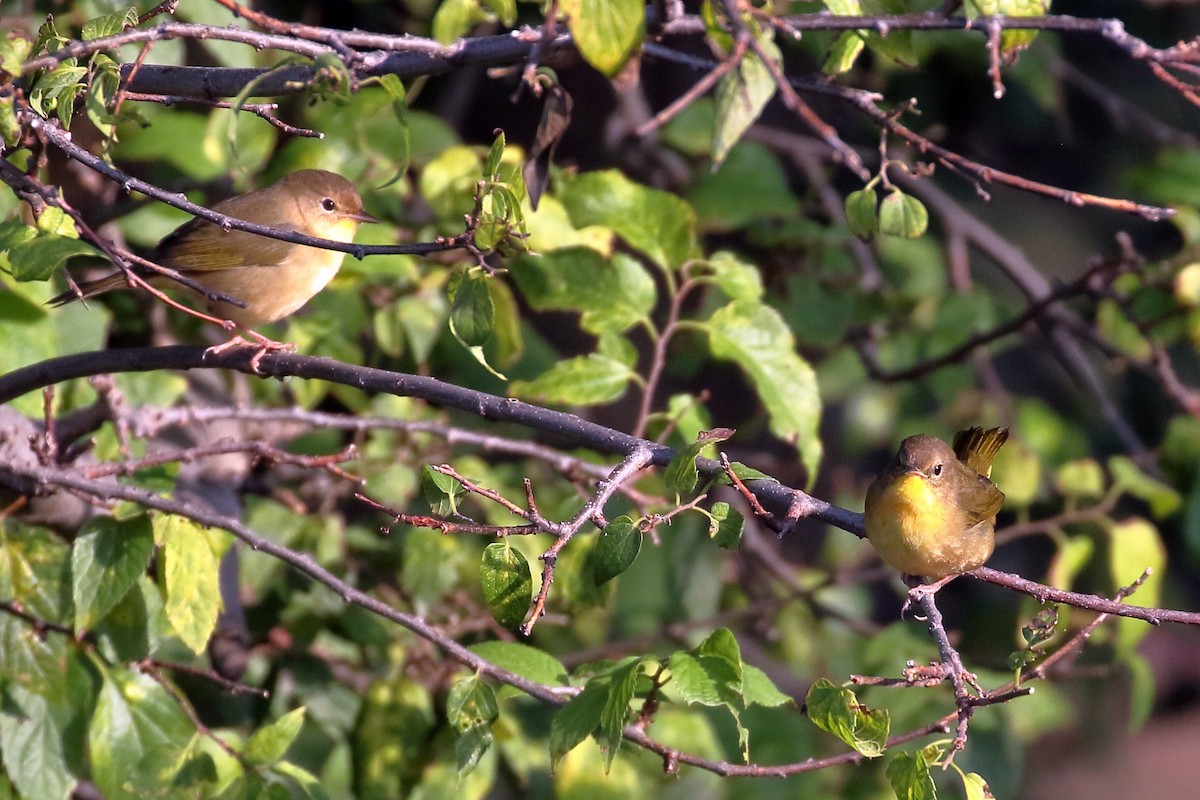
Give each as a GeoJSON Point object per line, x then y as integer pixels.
{"type": "Point", "coordinates": [273, 278]}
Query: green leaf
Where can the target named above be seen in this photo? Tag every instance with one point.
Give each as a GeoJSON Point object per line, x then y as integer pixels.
{"type": "Point", "coordinates": [431, 566]}
{"type": "Point", "coordinates": [742, 94]}
{"type": "Point", "coordinates": [681, 475]}
{"type": "Point", "coordinates": [836, 710]}
{"type": "Point", "coordinates": [135, 627]}
{"type": "Point", "coordinates": [910, 778]}
{"type": "Point", "coordinates": [577, 719]}
{"type": "Point", "coordinates": [1082, 478]}
{"type": "Point", "coordinates": [35, 570]}
{"type": "Point", "coordinates": [10, 128]}
{"type": "Point", "coordinates": [1141, 691]}
{"type": "Point", "coordinates": [507, 337]}
{"type": "Point", "coordinates": [613, 294]}
{"type": "Point", "coordinates": [301, 784]}
{"type": "Point", "coordinates": [1117, 328]}
{"type": "Point", "coordinates": [14, 232]}
{"type": "Point", "coordinates": [401, 149]}
{"type": "Point", "coordinates": [470, 747]}
{"type": "Point", "coordinates": [746, 473]}
{"type": "Point", "coordinates": [506, 10]}
{"type": "Point", "coordinates": [64, 76]}
{"type": "Point", "coordinates": [106, 79]}
{"type": "Point", "coordinates": [448, 182]}
{"type": "Point", "coordinates": [39, 258]}
{"type": "Point", "coordinates": [441, 491]}
{"type": "Point", "coordinates": [725, 526]}
{"type": "Point", "coordinates": [507, 583]}
{"type": "Point", "coordinates": [606, 31]}
{"type": "Point", "coordinates": [109, 24]}
{"type": "Point", "coordinates": [759, 689]}
{"type": "Point", "coordinates": [501, 222]}
{"type": "Point", "coordinates": [622, 682]}
{"type": "Point", "coordinates": [1012, 42]}
{"type": "Point", "coordinates": [1068, 561]}
{"type": "Point", "coordinates": [269, 744]}
{"type": "Point", "coordinates": [33, 746]}
{"type": "Point", "coordinates": [738, 279]}
{"type": "Point", "coordinates": [472, 313]}
{"type": "Point", "coordinates": [491, 165]}
{"type": "Point", "coordinates": [755, 337]}
{"type": "Point", "coordinates": [106, 559]}
{"type": "Point", "coordinates": [976, 788]}
{"type": "Point", "coordinates": [582, 381]}
{"type": "Point", "coordinates": [721, 644]}
{"type": "Point", "coordinates": [471, 703]}
{"type": "Point", "coordinates": [1164, 500]}
{"type": "Point", "coordinates": [616, 549]}
{"type": "Point", "coordinates": [1134, 546]}
{"type": "Point", "coordinates": [471, 709]}
{"type": "Point", "coordinates": [56, 222]}
{"type": "Point", "coordinates": [1018, 469]}
{"type": "Point", "coordinates": [189, 576]}
{"type": "Point", "coordinates": [712, 672]}
{"type": "Point", "coordinates": [137, 735]}
{"type": "Point", "coordinates": [694, 682]}
{"type": "Point", "coordinates": [748, 191]}
{"type": "Point", "coordinates": [15, 48]}
{"type": "Point", "coordinates": [845, 51]}
{"type": "Point", "coordinates": [526, 661]}
{"type": "Point", "coordinates": [862, 213]}
{"type": "Point", "coordinates": [657, 223]}
{"type": "Point", "coordinates": [454, 18]}
{"type": "Point", "coordinates": [903, 215]}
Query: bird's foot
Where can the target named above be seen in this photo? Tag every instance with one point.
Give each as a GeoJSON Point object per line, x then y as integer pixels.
{"type": "Point", "coordinates": [261, 344]}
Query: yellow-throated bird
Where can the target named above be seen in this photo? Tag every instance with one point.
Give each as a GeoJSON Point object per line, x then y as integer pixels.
{"type": "Point", "coordinates": [932, 511]}
{"type": "Point", "coordinates": [273, 278]}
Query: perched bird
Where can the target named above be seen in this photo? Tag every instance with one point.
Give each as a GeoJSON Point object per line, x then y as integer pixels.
{"type": "Point", "coordinates": [932, 511]}
{"type": "Point", "coordinates": [272, 277]}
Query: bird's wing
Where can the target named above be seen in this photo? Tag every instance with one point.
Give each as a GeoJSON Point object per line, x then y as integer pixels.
{"type": "Point", "coordinates": [201, 246]}
{"type": "Point", "coordinates": [976, 447]}
{"type": "Point", "coordinates": [981, 501]}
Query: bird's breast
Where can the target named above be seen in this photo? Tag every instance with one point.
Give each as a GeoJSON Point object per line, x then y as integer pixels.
{"type": "Point", "coordinates": [272, 292]}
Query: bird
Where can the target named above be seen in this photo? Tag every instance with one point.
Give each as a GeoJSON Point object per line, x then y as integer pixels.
{"type": "Point", "coordinates": [932, 511]}
{"type": "Point", "coordinates": [272, 278]}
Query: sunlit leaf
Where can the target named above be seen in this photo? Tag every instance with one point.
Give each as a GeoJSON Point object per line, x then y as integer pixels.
{"type": "Point", "coordinates": [836, 710]}
{"type": "Point", "coordinates": [606, 31]}
{"type": "Point", "coordinates": [269, 743]}
{"type": "Point", "coordinates": [754, 337]}
{"type": "Point", "coordinates": [106, 558]}
{"type": "Point", "coordinates": [910, 778]}
{"type": "Point", "coordinates": [507, 583]}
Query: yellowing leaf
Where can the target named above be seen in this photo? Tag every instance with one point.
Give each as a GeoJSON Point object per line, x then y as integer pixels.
{"type": "Point", "coordinates": [606, 31]}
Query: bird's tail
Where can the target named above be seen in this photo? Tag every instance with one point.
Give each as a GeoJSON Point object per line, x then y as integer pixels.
{"type": "Point", "coordinates": [976, 447]}
{"type": "Point", "coordinates": [90, 289]}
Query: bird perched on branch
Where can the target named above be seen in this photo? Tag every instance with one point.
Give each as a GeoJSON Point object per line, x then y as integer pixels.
{"type": "Point", "coordinates": [272, 278]}
{"type": "Point", "coordinates": [932, 511]}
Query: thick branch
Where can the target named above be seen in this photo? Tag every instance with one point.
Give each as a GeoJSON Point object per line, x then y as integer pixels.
{"type": "Point", "coordinates": [798, 504]}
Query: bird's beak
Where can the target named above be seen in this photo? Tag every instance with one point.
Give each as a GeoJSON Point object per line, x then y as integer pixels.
{"type": "Point", "coordinates": [361, 216]}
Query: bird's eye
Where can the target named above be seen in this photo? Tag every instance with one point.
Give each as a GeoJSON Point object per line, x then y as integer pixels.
{"type": "Point", "coordinates": [328, 204]}
{"type": "Point", "coordinates": [937, 470]}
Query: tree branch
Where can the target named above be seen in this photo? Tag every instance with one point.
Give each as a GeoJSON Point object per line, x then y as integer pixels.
{"type": "Point", "coordinates": [798, 504]}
